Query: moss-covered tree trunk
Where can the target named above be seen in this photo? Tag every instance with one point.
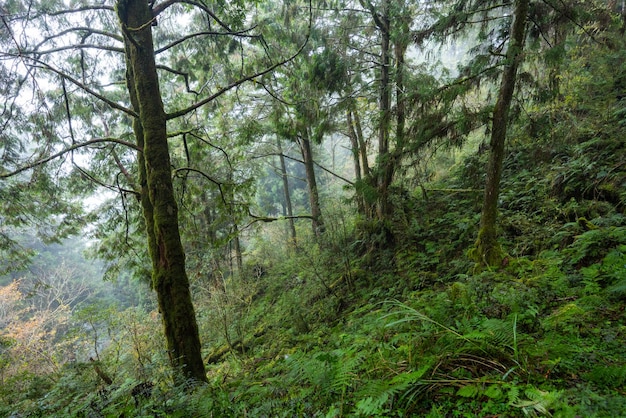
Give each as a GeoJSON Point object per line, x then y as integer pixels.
{"type": "Point", "coordinates": [487, 249]}
{"type": "Point", "coordinates": [159, 206]}
{"type": "Point", "coordinates": [385, 160]}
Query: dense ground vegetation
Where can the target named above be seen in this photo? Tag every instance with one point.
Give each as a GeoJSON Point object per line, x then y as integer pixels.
{"type": "Point", "coordinates": [368, 316]}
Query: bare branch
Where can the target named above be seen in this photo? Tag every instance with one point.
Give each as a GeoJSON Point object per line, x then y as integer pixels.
{"type": "Point", "coordinates": [89, 31]}
{"type": "Point", "coordinates": [202, 173]}
{"type": "Point", "coordinates": [157, 10]}
{"type": "Point", "coordinates": [231, 86]}
{"type": "Point", "coordinates": [241, 34]}
{"type": "Point", "coordinates": [267, 219]}
{"type": "Point", "coordinates": [100, 183]}
{"type": "Point", "coordinates": [206, 176]}
{"type": "Point", "coordinates": [180, 73]}
{"type": "Point", "coordinates": [351, 183]}
{"type": "Point", "coordinates": [162, 6]}
{"type": "Point", "coordinates": [569, 16]}
{"type": "Point", "coordinates": [223, 90]}
{"type": "Point", "coordinates": [66, 150]}
{"type": "Point", "coordinates": [213, 146]}
{"type": "Point", "coordinates": [76, 46]}
{"type": "Point", "coordinates": [80, 9]}
{"type": "Point", "coordinates": [125, 172]}
{"type": "Point", "coordinates": [46, 66]}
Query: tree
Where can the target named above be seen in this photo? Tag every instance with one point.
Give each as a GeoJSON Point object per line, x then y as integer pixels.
{"type": "Point", "coordinates": [461, 18]}
{"type": "Point", "coordinates": [67, 54]}
{"type": "Point", "coordinates": [287, 206]}
{"type": "Point", "coordinates": [391, 18]}
{"type": "Point", "coordinates": [488, 250]}
{"type": "Point", "coordinates": [158, 202]}
{"type": "Point", "coordinates": [36, 318]}
{"type": "Point", "coordinates": [302, 119]}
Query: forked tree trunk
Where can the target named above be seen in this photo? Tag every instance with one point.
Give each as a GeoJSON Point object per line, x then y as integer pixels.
{"type": "Point", "coordinates": [487, 249]}
{"type": "Point", "coordinates": [358, 130]}
{"type": "Point", "coordinates": [158, 203]}
{"type": "Point", "coordinates": [354, 143]}
{"type": "Point", "coordinates": [361, 163]}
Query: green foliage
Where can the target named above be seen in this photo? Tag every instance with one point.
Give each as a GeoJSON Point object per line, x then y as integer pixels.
{"type": "Point", "coordinates": [303, 330]}
{"type": "Point", "coordinates": [592, 246]}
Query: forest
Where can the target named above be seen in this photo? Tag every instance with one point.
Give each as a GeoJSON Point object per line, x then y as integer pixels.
{"type": "Point", "coordinates": [312, 208]}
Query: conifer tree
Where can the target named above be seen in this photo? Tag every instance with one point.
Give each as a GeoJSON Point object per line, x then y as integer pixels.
{"type": "Point", "coordinates": [487, 249]}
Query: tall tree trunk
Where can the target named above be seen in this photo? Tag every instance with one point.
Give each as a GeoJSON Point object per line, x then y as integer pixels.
{"type": "Point", "coordinates": [487, 249]}
{"type": "Point", "coordinates": [385, 163]}
{"type": "Point", "coordinates": [354, 142]}
{"type": "Point", "coordinates": [287, 194]}
{"type": "Point", "coordinates": [237, 248]}
{"type": "Point", "coordinates": [309, 167]}
{"type": "Point", "coordinates": [362, 145]}
{"type": "Point", "coordinates": [160, 209]}
{"type": "Point", "coordinates": [400, 47]}
{"type": "Point", "coordinates": [234, 229]}
{"type": "Point", "coordinates": [355, 132]}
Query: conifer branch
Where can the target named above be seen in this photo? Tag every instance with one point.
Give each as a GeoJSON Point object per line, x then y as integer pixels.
{"type": "Point", "coordinates": [37, 63]}
{"type": "Point", "coordinates": [251, 77]}
{"type": "Point", "coordinates": [65, 151]}
{"type": "Point", "coordinates": [241, 34]}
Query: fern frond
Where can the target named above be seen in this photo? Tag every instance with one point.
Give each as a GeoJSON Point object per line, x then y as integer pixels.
{"type": "Point", "coordinates": [495, 333]}
{"type": "Point", "coordinates": [618, 289]}
{"type": "Point", "coordinates": [405, 387]}
{"type": "Point", "coordinates": [538, 402]}
{"type": "Point", "coordinates": [344, 372]}
{"type": "Point", "coordinates": [412, 315]}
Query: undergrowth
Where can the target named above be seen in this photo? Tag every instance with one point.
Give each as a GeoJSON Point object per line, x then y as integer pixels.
{"type": "Point", "coordinates": [391, 319]}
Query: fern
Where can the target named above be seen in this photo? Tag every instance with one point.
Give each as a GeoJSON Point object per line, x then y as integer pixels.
{"type": "Point", "coordinates": [618, 289]}
{"type": "Point", "coordinates": [513, 394]}
{"type": "Point", "coordinates": [493, 334]}
{"type": "Point", "coordinates": [327, 375]}
{"type": "Point", "coordinates": [344, 372]}
{"type": "Point", "coordinates": [496, 334]}
{"type": "Point", "coordinates": [379, 393]}
{"type": "Point", "coordinates": [538, 402]}
{"type": "Point", "coordinates": [595, 244]}
{"type": "Point", "coordinates": [608, 376]}
{"type": "Point", "coordinates": [412, 315]}
{"type": "Point", "coordinates": [469, 391]}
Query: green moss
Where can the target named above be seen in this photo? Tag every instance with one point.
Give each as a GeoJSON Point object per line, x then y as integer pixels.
{"type": "Point", "coordinates": [487, 252]}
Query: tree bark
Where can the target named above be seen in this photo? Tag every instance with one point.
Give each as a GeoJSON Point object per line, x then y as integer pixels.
{"type": "Point", "coordinates": [487, 249]}
{"type": "Point", "coordinates": [288, 208]}
{"type": "Point", "coordinates": [362, 145]}
{"type": "Point", "coordinates": [385, 163]}
{"type": "Point", "coordinates": [159, 207]}
{"type": "Point", "coordinates": [237, 248]}
{"type": "Point", "coordinates": [400, 46]}
{"type": "Point", "coordinates": [314, 200]}
{"type": "Point", "coordinates": [354, 142]}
